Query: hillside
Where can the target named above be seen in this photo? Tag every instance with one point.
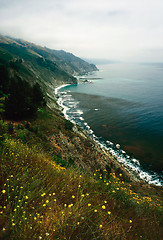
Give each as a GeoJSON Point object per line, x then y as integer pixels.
{"type": "Point", "coordinates": [32, 67]}
{"type": "Point", "coordinates": [50, 68]}
{"type": "Point", "coordinates": [56, 182]}
{"type": "Point", "coordinates": [65, 60]}
{"type": "Point", "coordinates": [73, 64]}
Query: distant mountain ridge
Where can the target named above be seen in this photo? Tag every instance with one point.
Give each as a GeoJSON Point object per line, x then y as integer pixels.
{"type": "Point", "coordinates": [73, 64]}
{"type": "Point", "coordinates": [33, 63]}
{"type": "Point", "coordinates": [65, 60]}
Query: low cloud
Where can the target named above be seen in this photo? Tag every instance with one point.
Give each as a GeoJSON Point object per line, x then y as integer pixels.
{"type": "Point", "coordinates": [118, 30]}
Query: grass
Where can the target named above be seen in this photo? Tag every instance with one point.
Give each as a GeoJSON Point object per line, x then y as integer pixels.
{"type": "Point", "coordinates": [41, 199]}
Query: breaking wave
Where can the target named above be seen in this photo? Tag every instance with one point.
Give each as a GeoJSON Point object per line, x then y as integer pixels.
{"type": "Point", "coordinates": [74, 114]}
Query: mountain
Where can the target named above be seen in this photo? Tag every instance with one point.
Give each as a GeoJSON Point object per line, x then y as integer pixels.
{"type": "Point", "coordinates": [73, 64]}
{"type": "Point", "coordinates": [36, 64]}
{"type": "Point", "coordinates": [67, 61]}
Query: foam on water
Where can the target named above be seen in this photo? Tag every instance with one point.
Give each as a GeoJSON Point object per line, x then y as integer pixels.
{"type": "Point", "coordinates": [74, 114]}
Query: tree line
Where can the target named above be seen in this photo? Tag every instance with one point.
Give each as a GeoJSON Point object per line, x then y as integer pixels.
{"type": "Point", "coordinates": [19, 99]}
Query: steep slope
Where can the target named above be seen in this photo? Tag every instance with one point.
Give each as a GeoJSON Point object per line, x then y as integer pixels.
{"type": "Point", "coordinates": [67, 61]}
{"type": "Point", "coordinates": [32, 67]}
{"type": "Point", "coordinates": [47, 193]}
{"type": "Point", "coordinates": [33, 63]}
{"type": "Point", "coordinates": [56, 182]}
{"type": "Point", "coordinates": [73, 64]}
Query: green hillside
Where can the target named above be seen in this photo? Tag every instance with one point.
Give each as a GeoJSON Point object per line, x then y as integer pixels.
{"type": "Point", "coordinates": [67, 61]}
{"type": "Point", "coordinates": [35, 64]}
{"type": "Point", "coordinates": [30, 66]}
{"type": "Point", "coordinates": [56, 182]}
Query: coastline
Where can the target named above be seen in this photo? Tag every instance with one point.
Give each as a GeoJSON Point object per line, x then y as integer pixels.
{"type": "Point", "coordinates": [61, 86]}
{"type": "Point", "coordinates": [106, 155]}
{"type": "Point", "coordinates": [132, 169]}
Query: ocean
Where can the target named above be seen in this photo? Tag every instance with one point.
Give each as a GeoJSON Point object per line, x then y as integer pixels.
{"type": "Point", "coordinates": [121, 106]}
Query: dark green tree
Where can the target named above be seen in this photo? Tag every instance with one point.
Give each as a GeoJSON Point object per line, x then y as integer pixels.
{"type": "Point", "coordinates": [4, 78]}
{"type": "Point", "coordinates": [22, 99]}
{"type": "Point", "coordinates": [38, 96]}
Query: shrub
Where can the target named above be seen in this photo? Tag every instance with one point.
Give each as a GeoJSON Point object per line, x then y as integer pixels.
{"type": "Point", "coordinates": [59, 161]}
{"type": "Point", "coordinates": [22, 134]}
{"type": "Point", "coordinates": [68, 125]}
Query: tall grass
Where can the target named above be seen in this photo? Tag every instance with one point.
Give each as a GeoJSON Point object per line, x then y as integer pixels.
{"type": "Point", "coordinates": [40, 199]}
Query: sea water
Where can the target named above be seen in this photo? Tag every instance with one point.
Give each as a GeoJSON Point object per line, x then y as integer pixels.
{"type": "Point", "coordinates": [122, 104]}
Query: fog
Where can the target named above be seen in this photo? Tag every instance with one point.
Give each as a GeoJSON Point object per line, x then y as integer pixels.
{"type": "Point", "coordinates": [124, 30]}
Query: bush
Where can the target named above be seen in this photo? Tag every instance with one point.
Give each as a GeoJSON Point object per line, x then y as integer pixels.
{"type": "Point", "coordinates": [59, 161]}
{"type": "Point", "coordinates": [22, 134]}
{"type": "Point", "coordinates": [68, 125]}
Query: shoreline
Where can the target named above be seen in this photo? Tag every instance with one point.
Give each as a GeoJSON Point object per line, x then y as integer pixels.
{"type": "Point", "coordinates": [62, 86]}
{"type": "Point", "coordinates": [135, 172]}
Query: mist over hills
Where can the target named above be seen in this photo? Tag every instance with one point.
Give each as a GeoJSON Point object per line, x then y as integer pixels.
{"type": "Point", "coordinates": [33, 63]}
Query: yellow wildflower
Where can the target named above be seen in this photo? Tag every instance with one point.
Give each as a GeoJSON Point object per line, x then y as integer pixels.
{"type": "Point", "coordinates": [70, 205]}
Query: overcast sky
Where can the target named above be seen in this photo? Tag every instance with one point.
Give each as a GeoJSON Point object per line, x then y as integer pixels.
{"type": "Point", "coordinates": [130, 30]}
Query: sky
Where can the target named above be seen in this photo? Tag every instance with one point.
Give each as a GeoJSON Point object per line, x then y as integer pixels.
{"type": "Point", "coordinates": [125, 30]}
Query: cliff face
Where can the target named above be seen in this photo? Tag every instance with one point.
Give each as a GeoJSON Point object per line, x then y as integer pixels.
{"type": "Point", "coordinates": [50, 68]}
